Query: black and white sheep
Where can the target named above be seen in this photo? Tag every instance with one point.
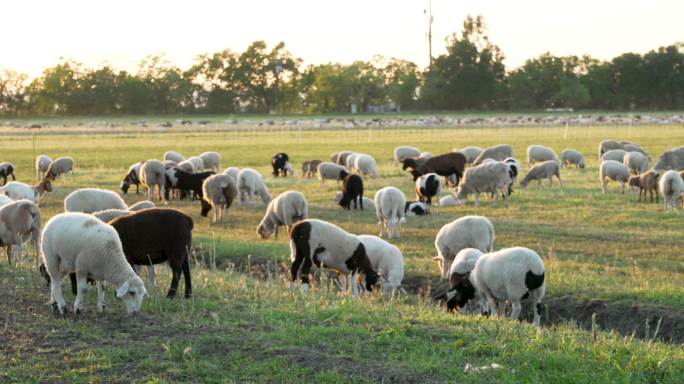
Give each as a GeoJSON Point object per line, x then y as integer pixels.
{"type": "Point", "coordinates": [280, 163]}
{"type": "Point", "coordinates": [671, 186]}
{"type": "Point", "coordinates": [427, 187]}
{"type": "Point", "coordinates": [352, 191]}
{"type": "Point", "coordinates": [250, 183]}
{"type": "Point", "coordinates": [466, 232]}
{"type": "Point", "coordinates": [491, 177]}
{"type": "Point", "coordinates": [497, 152]}
{"type": "Point", "coordinates": [186, 182]}
{"type": "Point", "coordinates": [286, 209]}
{"type": "Point", "coordinates": [545, 170]}
{"type": "Point", "coordinates": [132, 178]}
{"type": "Point", "coordinates": [42, 165]}
{"type": "Point", "coordinates": [389, 208]}
{"type": "Point", "coordinates": [19, 221]}
{"type": "Point", "coordinates": [331, 171]}
{"type": "Point", "coordinates": [7, 169]}
{"type": "Point", "coordinates": [89, 200]}
{"type": "Point", "coordinates": [218, 192]}
{"type": "Point", "coordinates": [60, 166]}
{"type": "Point", "coordinates": [416, 208]}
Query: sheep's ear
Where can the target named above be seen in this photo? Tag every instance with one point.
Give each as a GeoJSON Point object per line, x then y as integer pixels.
{"type": "Point", "coordinates": [122, 290]}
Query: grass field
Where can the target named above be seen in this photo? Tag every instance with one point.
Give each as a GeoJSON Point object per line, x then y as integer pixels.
{"type": "Point", "coordinates": [605, 254]}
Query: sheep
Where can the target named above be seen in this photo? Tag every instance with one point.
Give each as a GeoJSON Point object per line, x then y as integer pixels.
{"type": "Point", "coordinates": [447, 201]}
{"type": "Point", "coordinates": [77, 242]}
{"type": "Point", "coordinates": [7, 169]}
{"type": "Point", "coordinates": [647, 181]}
{"type": "Point", "coordinates": [232, 172]}
{"type": "Point", "coordinates": [367, 201]}
{"type": "Point", "coordinates": [186, 182]}
{"type": "Point", "coordinates": [174, 156]}
{"type": "Point", "coordinates": [389, 208]}
{"type": "Point", "coordinates": [132, 178]}
{"type": "Point", "coordinates": [279, 162]}
{"type": "Point", "coordinates": [497, 152]}
{"type": "Point", "coordinates": [218, 192]}
{"type": "Point", "coordinates": [42, 165]}
{"type": "Point", "coordinates": [427, 187]}
{"type": "Point", "coordinates": [251, 183]}
{"type": "Point", "coordinates": [671, 186]}
{"type": "Point", "coordinates": [197, 162]}
{"type": "Point", "coordinates": [630, 147]}
{"type": "Point", "coordinates": [447, 165]}
{"type": "Point", "coordinates": [350, 163]}
{"type": "Point", "coordinates": [511, 274]}
{"type": "Point", "coordinates": [140, 205]}
{"type": "Point", "coordinates": [322, 243]}
{"type": "Point", "coordinates": [545, 170]}
{"type": "Point", "coordinates": [416, 208]}
{"type": "Point", "coordinates": [637, 162]}
{"type": "Point", "coordinates": [460, 269]}
{"type": "Point", "coordinates": [608, 145]}
{"type": "Point", "coordinates": [614, 154]}
{"type": "Point", "coordinates": [16, 190]}
{"type": "Point", "coordinates": [108, 215]}
{"type": "Point", "coordinates": [60, 166]}
{"type": "Point", "coordinates": [310, 167]}
{"type": "Point", "coordinates": [19, 221]}
{"type": "Point", "coordinates": [572, 156]}
{"type": "Point", "coordinates": [340, 158]}
{"type": "Point", "coordinates": [613, 170]}
{"type": "Point", "coordinates": [386, 259]}
{"type": "Point", "coordinates": [153, 179]}
{"type": "Point", "coordinates": [211, 161]}
{"type": "Point", "coordinates": [286, 209]}
{"type": "Point", "coordinates": [156, 235]}
{"type": "Point", "coordinates": [492, 177]}
{"type": "Point", "coordinates": [187, 166]}
{"type": "Point", "coordinates": [331, 171]}
{"type": "Point", "coordinates": [671, 159]}
{"type": "Point", "coordinates": [352, 191]}
{"type": "Point", "coordinates": [366, 165]}
{"type": "Point", "coordinates": [414, 162]}
{"type": "Point", "coordinates": [513, 170]}
{"type": "Point", "coordinates": [5, 200]}
{"type": "Point", "coordinates": [466, 232]}
{"type": "Point", "coordinates": [89, 200]}
{"type": "Point", "coordinates": [471, 153]}
{"type": "Point", "coordinates": [540, 154]}
{"type": "Point", "coordinates": [404, 152]}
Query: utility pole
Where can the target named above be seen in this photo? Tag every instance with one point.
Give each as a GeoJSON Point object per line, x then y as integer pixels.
{"type": "Point", "coordinates": [430, 19]}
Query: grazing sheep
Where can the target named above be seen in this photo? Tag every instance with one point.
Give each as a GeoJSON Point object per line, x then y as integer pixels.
{"type": "Point", "coordinates": [671, 186]}
{"type": "Point", "coordinates": [389, 208]}
{"type": "Point", "coordinates": [545, 170]}
{"type": "Point", "coordinates": [340, 158]}
{"type": "Point", "coordinates": [132, 178]}
{"type": "Point", "coordinates": [615, 155]}
{"type": "Point", "coordinates": [19, 221]}
{"type": "Point", "coordinates": [631, 147]}
{"type": "Point", "coordinates": [16, 190]}
{"type": "Point", "coordinates": [539, 154]}
{"type": "Point", "coordinates": [637, 162]}
{"type": "Point", "coordinates": [108, 215]}
{"type": "Point", "coordinates": [492, 177]}
{"type": "Point", "coordinates": [608, 145]}
{"type": "Point", "coordinates": [310, 168]}
{"type": "Point", "coordinates": [352, 191]}
{"type": "Point", "coordinates": [60, 166]}
{"type": "Point", "coordinates": [330, 171]}
{"type": "Point", "coordinates": [197, 162]}
{"type": "Point", "coordinates": [232, 172]}
{"type": "Point", "coordinates": [218, 192]}
{"type": "Point", "coordinates": [572, 156]}
{"type": "Point", "coordinates": [77, 242]}
{"type": "Point", "coordinates": [153, 179]}
{"type": "Point", "coordinates": [351, 162]}
{"type": "Point", "coordinates": [615, 171]}
{"type": "Point", "coordinates": [322, 243]}
{"type": "Point", "coordinates": [387, 260]}
{"type": "Point", "coordinates": [511, 274]}
{"type": "Point", "coordinates": [251, 183]}
{"type": "Point", "coordinates": [140, 205]}
{"type": "Point", "coordinates": [415, 162]}
{"type": "Point", "coordinates": [211, 161]}
{"type": "Point", "coordinates": [497, 152]}
{"type": "Point", "coordinates": [187, 166]}
{"type": "Point", "coordinates": [186, 182]}
{"type": "Point", "coordinates": [404, 152]}
{"type": "Point", "coordinates": [448, 201]}
{"type": "Point", "coordinates": [466, 232]}
{"type": "Point", "coordinates": [286, 209]}
{"type": "Point", "coordinates": [366, 165]}
{"type": "Point", "coordinates": [279, 162]}
{"type": "Point", "coordinates": [89, 200]}
{"type": "Point", "coordinates": [671, 159]}
{"type": "Point", "coordinates": [427, 187]}
{"type": "Point", "coordinates": [367, 201]}
{"type": "Point", "coordinates": [647, 181]}
{"type": "Point", "coordinates": [416, 208]}
{"type": "Point", "coordinates": [460, 269]}
{"type": "Point", "coordinates": [471, 153]}
{"type": "Point", "coordinates": [448, 165]}
{"type": "Point", "coordinates": [42, 165]}
{"type": "Point", "coordinates": [6, 169]}
{"type": "Point", "coordinates": [5, 200]}
{"type": "Point", "coordinates": [174, 156]}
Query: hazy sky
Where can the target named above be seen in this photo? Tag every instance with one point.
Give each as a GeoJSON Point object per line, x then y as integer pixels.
{"type": "Point", "coordinates": [36, 33]}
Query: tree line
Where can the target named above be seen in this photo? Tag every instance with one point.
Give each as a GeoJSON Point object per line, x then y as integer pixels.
{"type": "Point", "coordinates": [471, 75]}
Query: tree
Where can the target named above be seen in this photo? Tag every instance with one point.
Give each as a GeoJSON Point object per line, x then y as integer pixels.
{"type": "Point", "coordinates": [401, 82]}
{"type": "Point", "coordinates": [12, 92]}
{"type": "Point", "coordinates": [215, 77]}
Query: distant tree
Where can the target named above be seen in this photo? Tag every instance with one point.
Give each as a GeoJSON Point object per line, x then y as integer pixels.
{"type": "Point", "coordinates": [214, 74]}
{"type": "Point", "coordinates": [401, 82]}
{"type": "Point", "coordinates": [12, 92]}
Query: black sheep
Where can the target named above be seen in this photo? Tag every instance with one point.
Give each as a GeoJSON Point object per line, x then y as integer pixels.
{"type": "Point", "coordinates": [279, 162]}
{"type": "Point", "coordinates": [447, 165]}
{"type": "Point", "coordinates": [6, 169]}
{"type": "Point", "coordinates": [352, 189]}
{"type": "Point", "coordinates": [186, 182]}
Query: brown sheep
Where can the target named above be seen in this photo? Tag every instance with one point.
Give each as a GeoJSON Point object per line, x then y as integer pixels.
{"type": "Point", "coordinates": [647, 181]}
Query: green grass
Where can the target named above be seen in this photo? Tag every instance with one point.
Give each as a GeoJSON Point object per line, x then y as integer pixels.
{"type": "Point", "coordinates": [239, 328]}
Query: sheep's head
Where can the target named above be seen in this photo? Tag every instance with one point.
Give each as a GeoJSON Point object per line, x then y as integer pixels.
{"type": "Point", "coordinates": [460, 195]}
{"type": "Point", "coordinates": [45, 185]}
{"type": "Point", "coordinates": [524, 182]}
{"type": "Point", "coordinates": [371, 278]}
{"type": "Point", "coordinates": [408, 163]}
{"type": "Point", "coordinates": [263, 231]}
{"type": "Point", "coordinates": [581, 164]}
{"type": "Point", "coordinates": [206, 207]}
{"type": "Point", "coordinates": [132, 292]}
{"type": "Point", "coordinates": [125, 185]}
{"type": "Point", "coordinates": [634, 181]}
{"type": "Point", "coordinates": [459, 296]}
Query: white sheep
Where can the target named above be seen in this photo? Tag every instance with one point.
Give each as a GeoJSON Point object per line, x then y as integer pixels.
{"type": "Point", "coordinates": [286, 209]}
{"type": "Point", "coordinates": [187, 166]}
{"type": "Point", "coordinates": [60, 166]}
{"type": "Point", "coordinates": [331, 171]}
{"type": "Point", "coordinates": [19, 221]}
{"type": "Point", "coordinates": [140, 205]}
{"type": "Point", "coordinates": [491, 177]}
{"type": "Point", "coordinates": [466, 232]}
{"type": "Point", "coordinates": [368, 203]}
{"type": "Point", "coordinates": [497, 152]}
{"type": "Point", "coordinates": [153, 179]}
{"type": "Point", "coordinates": [197, 163]}
{"type": "Point", "coordinates": [386, 260]}
{"type": "Point", "coordinates": [340, 158]}
{"type": "Point", "coordinates": [448, 201]}
{"type": "Point", "coordinates": [173, 156]}
{"type": "Point", "coordinates": [79, 243]}
{"type": "Point", "coordinates": [89, 200]}
{"type": "Point", "coordinates": [637, 162]}
{"type": "Point", "coordinates": [471, 153]}
{"type": "Point", "coordinates": [615, 171]}
{"type": "Point", "coordinates": [251, 183]}
{"type": "Point", "coordinates": [4, 199]}
{"type": "Point", "coordinates": [390, 203]}
{"type": "Point", "coordinates": [539, 154]}
{"type": "Point", "coordinates": [218, 192]}
{"type": "Point", "coordinates": [232, 172]}
{"type": "Point", "coordinates": [211, 161]}
{"type": "Point", "coordinates": [42, 165]}
{"type": "Point", "coordinates": [17, 190]}
{"type": "Point", "coordinates": [405, 152]}
{"type": "Point", "coordinates": [108, 215]}
{"type": "Point", "coordinates": [350, 163]}
{"type": "Point", "coordinates": [572, 156]}
{"type": "Point", "coordinates": [366, 165]}
{"type": "Point", "coordinates": [671, 186]}
{"type": "Point", "coordinates": [615, 155]}
{"type": "Point", "coordinates": [545, 170]}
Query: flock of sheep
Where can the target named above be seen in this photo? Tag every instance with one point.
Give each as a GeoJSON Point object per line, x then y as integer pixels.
{"type": "Point", "coordinates": [99, 238]}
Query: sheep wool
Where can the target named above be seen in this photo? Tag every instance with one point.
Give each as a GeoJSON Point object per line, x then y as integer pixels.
{"type": "Point", "coordinates": [491, 177]}
{"type": "Point", "coordinates": [545, 170]}
{"type": "Point", "coordinates": [218, 192]}
{"type": "Point", "coordinates": [251, 183]}
{"type": "Point", "coordinates": [286, 209]}
{"type": "Point", "coordinates": [615, 171]}
{"type": "Point", "coordinates": [671, 186]}
{"type": "Point", "coordinates": [466, 232]}
{"type": "Point", "coordinates": [389, 208]}
{"type": "Point", "coordinates": [89, 200]}
{"type": "Point", "coordinates": [386, 259]}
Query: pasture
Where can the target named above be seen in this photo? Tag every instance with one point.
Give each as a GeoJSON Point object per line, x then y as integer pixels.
{"type": "Point", "coordinates": [605, 254]}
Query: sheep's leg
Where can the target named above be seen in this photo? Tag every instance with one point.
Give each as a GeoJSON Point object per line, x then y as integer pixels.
{"type": "Point", "coordinates": [504, 190]}
{"type": "Point", "coordinates": [175, 276]}
{"type": "Point", "coordinates": [515, 310]}
{"type": "Point", "coordinates": [8, 250]}
{"type": "Point", "coordinates": [477, 199]}
{"type": "Point", "coordinates": [56, 293]}
{"type": "Point", "coordinates": [355, 284]}
{"type": "Point", "coordinates": [276, 231]}
{"type": "Point", "coordinates": [623, 187]}
{"type": "Point", "coordinates": [306, 269]}
{"type": "Point", "coordinates": [186, 276]}
{"type": "Point", "coordinates": [496, 199]}
{"type": "Point", "coordinates": [81, 287]}
{"type": "Point", "coordinates": [603, 187]}
{"type": "Point", "coordinates": [151, 276]}
{"type": "Point", "coordinates": [101, 301]}
{"type": "Point", "coordinates": [493, 307]}
{"type": "Point", "coordinates": [536, 308]}
{"type": "Point", "coordinates": [296, 262]}
{"type": "Point", "coordinates": [381, 223]}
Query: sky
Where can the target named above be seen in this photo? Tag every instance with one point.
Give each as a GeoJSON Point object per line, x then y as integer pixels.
{"type": "Point", "coordinates": [36, 33]}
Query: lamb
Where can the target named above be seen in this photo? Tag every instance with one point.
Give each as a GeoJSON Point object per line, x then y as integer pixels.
{"type": "Point", "coordinates": [187, 166]}
{"type": "Point", "coordinates": [77, 242]}
{"type": "Point", "coordinates": [613, 170]}
{"type": "Point", "coordinates": [367, 201]}
{"type": "Point", "coordinates": [448, 201]}
{"type": "Point", "coordinates": [466, 232]}
{"type": "Point", "coordinates": [615, 155]}
{"type": "Point", "coordinates": [471, 153]}
{"type": "Point", "coordinates": [140, 205]}
{"type": "Point", "coordinates": [218, 192]}
{"type": "Point", "coordinates": [232, 172]}
{"type": "Point", "coordinates": [19, 221]}
{"type": "Point", "coordinates": [671, 186]}
{"type": "Point", "coordinates": [286, 209]}
{"type": "Point", "coordinates": [89, 200]}
{"type": "Point", "coordinates": [6, 169]}
{"type": "Point", "coordinates": [389, 208]}
{"type": "Point", "coordinates": [132, 178]}
{"type": "Point", "coordinates": [156, 235]}
{"type": "Point", "coordinates": [545, 170]}
{"type": "Point", "coordinates": [16, 190]}
{"type": "Point", "coordinates": [279, 163]}
{"type": "Point", "coordinates": [197, 162]}
{"type": "Point", "coordinates": [636, 161]}
{"type": "Point", "coordinates": [60, 166]}
{"type": "Point", "coordinates": [153, 179]}
{"type": "Point", "coordinates": [497, 152]}
{"type": "Point", "coordinates": [310, 167]}
{"type": "Point", "coordinates": [366, 165]}
{"type": "Point", "coordinates": [386, 259]}
{"type": "Point", "coordinates": [42, 165]}
{"type": "Point", "coordinates": [330, 171]}
{"type": "Point", "coordinates": [251, 183]}
{"type": "Point", "coordinates": [511, 274]}
{"type": "Point", "coordinates": [572, 156]}
{"type": "Point", "coordinates": [416, 208]}
{"type": "Point", "coordinates": [352, 191]}
{"type": "Point", "coordinates": [647, 181]}
{"type": "Point", "coordinates": [671, 159]}
{"type": "Point", "coordinates": [447, 165]}
{"type": "Point", "coordinates": [340, 158]}
{"type": "Point", "coordinates": [540, 154]}
{"type": "Point", "coordinates": [173, 156]}
{"type": "Point", "coordinates": [427, 187]}
{"type": "Point", "coordinates": [211, 161]}
{"type": "Point", "coordinates": [108, 215]}
{"type": "Point", "coordinates": [492, 177]}
{"type": "Point", "coordinates": [404, 152]}
{"type": "Point", "coordinates": [322, 243]}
